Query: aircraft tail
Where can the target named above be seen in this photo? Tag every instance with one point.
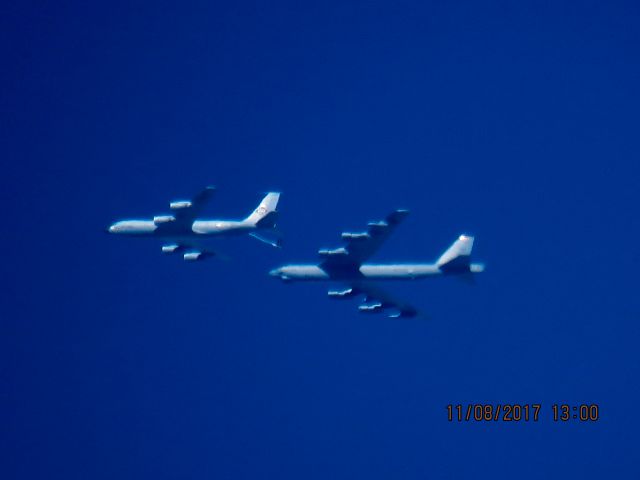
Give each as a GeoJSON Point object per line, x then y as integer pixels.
{"type": "Point", "coordinates": [264, 216]}
{"type": "Point", "coordinates": [457, 258]}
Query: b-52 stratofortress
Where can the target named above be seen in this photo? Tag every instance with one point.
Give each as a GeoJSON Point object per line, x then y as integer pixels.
{"type": "Point", "coordinates": [184, 233]}
{"type": "Point", "coordinates": [346, 265]}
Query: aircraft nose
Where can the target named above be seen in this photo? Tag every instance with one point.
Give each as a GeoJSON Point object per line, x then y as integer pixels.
{"type": "Point", "coordinates": [275, 272]}
{"type": "Point", "coordinates": [110, 229]}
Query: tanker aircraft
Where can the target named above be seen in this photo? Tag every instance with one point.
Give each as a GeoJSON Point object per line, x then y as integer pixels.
{"type": "Point", "coordinates": [346, 265]}
{"type": "Point", "coordinates": [184, 233]}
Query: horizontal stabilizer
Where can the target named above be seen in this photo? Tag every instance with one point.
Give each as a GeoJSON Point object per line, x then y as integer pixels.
{"type": "Point", "coordinates": [277, 242]}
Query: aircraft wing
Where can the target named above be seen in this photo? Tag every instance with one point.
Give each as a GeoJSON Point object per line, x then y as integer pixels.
{"type": "Point", "coordinates": [186, 211]}
{"type": "Point", "coordinates": [376, 300]}
{"type": "Point", "coordinates": [361, 246]}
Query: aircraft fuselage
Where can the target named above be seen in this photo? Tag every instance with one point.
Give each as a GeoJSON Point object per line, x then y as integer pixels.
{"type": "Point", "coordinates": [396, 271]}
{"type": "Point", "coordinates": [139, 228]}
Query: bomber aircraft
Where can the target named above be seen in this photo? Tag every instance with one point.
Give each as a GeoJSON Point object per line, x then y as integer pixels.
{"type": "Point", "coordinates": [184, 233]}
{"type": "Point", "coordinates": [346, 265]}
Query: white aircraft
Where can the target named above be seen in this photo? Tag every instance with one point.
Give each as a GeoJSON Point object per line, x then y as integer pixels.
{"type": "Point", "coordinates": [184, 233]}
{"type": "Point", "coordinates": [346, 265]}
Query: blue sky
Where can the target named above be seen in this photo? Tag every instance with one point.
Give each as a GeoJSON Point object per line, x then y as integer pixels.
{"type": "Point", "coordinates": [516, 122]}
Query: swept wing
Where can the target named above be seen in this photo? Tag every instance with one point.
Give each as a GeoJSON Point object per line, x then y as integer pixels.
{"type": "Point", "coordinates": [361, 246]}
{"type": "Point", "coordinates": [186, 211]}
{"type": "Point", "coordinates": [376, 300]}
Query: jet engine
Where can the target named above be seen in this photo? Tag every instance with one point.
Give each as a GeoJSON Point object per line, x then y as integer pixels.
{"type": "Point", "coordinates": [341, 293]}
{"type": "Point", "coordinates": [336, 252]}
{"type": "Point", "coordinates": [170, 248]}
{"type": "Point", "coordinates": [355, 236]}
{"type": "Point", "coordinates": [196, 256]}
{"type": "Point", "coordinates": [193, 256]}
{"type": "Point", "coordinates": [371, 308]}
{"type": "Point", "coordinates": [180, 204]}
{"type": "Point", "coordinates": [163, 219]}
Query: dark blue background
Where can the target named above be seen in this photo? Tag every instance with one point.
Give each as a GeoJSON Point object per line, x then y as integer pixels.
{"type": "Point", "coordinates": [514, 121]}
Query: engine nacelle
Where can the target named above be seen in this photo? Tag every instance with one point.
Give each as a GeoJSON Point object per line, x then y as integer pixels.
{"type": "Point", "coordinates": [193, 256]}
{"type": "Point", "coordinates": [341, 293]}
{"type": "Point", "coordinates": [163, 219]}
{"type": "Point", "coordinates": [476, 267]}
{"type": "Point", "coordinates": [355, 236]}
{"type": "Point", "coordinates": [404, 313]}
{"type": "Point", "coordinates": [180, 204]}
{"type": "Point", "coordinates": [336, 252]}
{"type": "Point", "coordinates": [371, 308]}
{"type": "Point", "coordinates": [170, 248]}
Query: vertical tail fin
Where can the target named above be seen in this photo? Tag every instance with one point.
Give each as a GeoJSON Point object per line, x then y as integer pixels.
{"type": "Point", "coordinates": [264, 216]}
{"type": "Point", "coordinates": [457, 257]}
